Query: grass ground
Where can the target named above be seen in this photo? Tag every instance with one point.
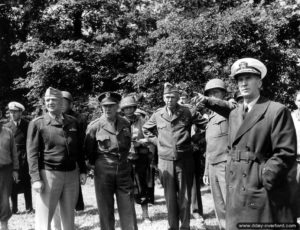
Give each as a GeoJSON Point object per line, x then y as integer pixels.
{"type": "Point", "coordinates": [89, 220]}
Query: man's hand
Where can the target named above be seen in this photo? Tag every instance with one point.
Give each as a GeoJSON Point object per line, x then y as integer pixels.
{"type": "Point", "coordinates": [143, 141]}
{"type": "Point", "coordinates": [38, 186]}
{"type": "Point", "coordinates": [199, 100]}
{"type": "Point", "coordinates": [206, 180]}
{"type": "Point", "coordinates": [15, 175]}
{"type": "Point", "coordinates": [82, 178]}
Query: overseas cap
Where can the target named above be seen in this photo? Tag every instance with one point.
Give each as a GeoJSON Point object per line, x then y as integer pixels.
{"type": "Point", "coordinates": [67, 95]}
{"type": "Point", "coordinates": [53, 93]}
{"type": "Point", "coordinates": [169, 88]}
{"type": "Point", "coordinates": [13, 105]}
{"type": "Point", "coordinates": [248, 65]}
{"type": "Point", "coordinates": [109, 98]}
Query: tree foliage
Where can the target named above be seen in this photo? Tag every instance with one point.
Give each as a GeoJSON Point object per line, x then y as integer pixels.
{"type": "Point", "coordinates": [88, 47]}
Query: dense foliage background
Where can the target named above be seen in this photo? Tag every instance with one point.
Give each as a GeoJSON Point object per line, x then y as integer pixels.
{"type": "Point", "coordinates": [87, 47]}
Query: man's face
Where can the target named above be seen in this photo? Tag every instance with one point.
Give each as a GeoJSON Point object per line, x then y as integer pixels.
{"type": "Point", "coordinates": [15, 115]}
{"type": "Point", "coordinates": [297, 101]}
{"type": "Point", "coordinates": [110, 111]}
{"type": "Point", "coordinates": [183, 100]}
{"type": "Point", "coordinates": [171, 100]}
{"type": "Point", "coordinates": [66, 105]}
{"type": "Point", "coordinates": [53, 104]}
{"type": "Point", "coordinates": [249, 85]}
{"type": "Point", "coordinates": [129, 111]}
{"type": "Point", "coordinates": [216, 93]}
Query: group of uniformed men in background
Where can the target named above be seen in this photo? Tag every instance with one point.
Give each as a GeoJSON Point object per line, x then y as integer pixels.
{"type": "Point", "coordinates": [250, 160]}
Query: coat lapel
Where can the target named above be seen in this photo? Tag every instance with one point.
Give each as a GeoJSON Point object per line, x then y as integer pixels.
{"type": "Point", "coordinates": [164, 114]}
{"type": "Point", "coordinates": [252, 117]}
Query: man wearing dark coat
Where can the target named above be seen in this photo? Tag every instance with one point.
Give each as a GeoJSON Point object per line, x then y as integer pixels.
{"type": "Point", "coordinates": [19, 127]}
{"type": "Point", "coordinates": [262, 151]}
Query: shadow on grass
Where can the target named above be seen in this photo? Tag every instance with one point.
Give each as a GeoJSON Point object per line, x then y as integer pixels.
{"type": "Point", "coordinates": [88, 227]}
{"type": "Point", "coordinates": [93, 211]}
{"type": "Point", "coordinates": [209, 215]}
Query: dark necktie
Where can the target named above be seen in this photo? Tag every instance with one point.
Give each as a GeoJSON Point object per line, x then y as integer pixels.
{"type": "Point", "coordinates": [245, 111]}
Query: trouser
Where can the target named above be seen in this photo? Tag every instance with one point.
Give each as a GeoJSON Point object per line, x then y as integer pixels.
{"type": "Point", "coordinates": [196, 200]}
{"type": "Point", "coordinates": [177, 178]}
{"type": "Point", "coordinates": [80, 203]}
{"type": "Point", "coordinates": [218, 189]}
{"type": "Point", "coordinates": [115, 178]}
{"type": "Point", "coordinates": [59, 188]}
{"type": "Point", "coordinates": [5, 191]}
{"type": "Point", "coordinates": [27, 196]}
{"type": "Point", "coordinates": [141, 178]}
{"type": "Point", "coordinates": [56, 220]}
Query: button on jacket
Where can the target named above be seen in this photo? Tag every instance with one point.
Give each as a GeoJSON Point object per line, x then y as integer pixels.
{"type": "Point", "coordinates": [54, 146]}
{"type": "Point", "coordinates": [101, 138]}
{"type": "Point", "coordinates": [173, 133]}
{"type": "Point", "coordinates": [8, 152]}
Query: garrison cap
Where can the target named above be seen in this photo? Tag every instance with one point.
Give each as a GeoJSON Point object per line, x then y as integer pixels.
{"type": "Point", "coordinates": [248, 65]}
{"type": "Point", "coordinates": [13, 105]}
{"type": "Point", "coordinates": [53, 93]}
{"type": "Point", "coordinates": [109, 98]}
{"type": "Point", "coordinates": [67, 95]}
{"type": "Point", "coordinates": [183, 93]}
{"type": "Point", "coordinates": [169, 88]}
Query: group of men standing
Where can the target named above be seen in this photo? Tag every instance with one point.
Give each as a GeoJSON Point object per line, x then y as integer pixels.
{"type": "Point", "coordinates": [250, 156]}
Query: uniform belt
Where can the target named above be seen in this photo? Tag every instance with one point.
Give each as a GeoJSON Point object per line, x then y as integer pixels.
{"type": "Point", "coordinates": [114, 155]}
{"type": "Point", "coordinates": [239, 155]}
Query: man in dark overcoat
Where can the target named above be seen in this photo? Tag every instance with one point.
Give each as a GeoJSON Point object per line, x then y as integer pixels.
{"type": "Point", "coordinates": [262, 152]}
{"type": "Point", "coordinates": [19, 127]}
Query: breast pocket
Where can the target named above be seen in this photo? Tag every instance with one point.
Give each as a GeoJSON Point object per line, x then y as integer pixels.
{"type": "Point", "coordinates": [221, 127]}
{"type": "Point", "coordinates": [104, 142]}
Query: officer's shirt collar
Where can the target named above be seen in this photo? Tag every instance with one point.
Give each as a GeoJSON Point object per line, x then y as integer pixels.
{"type": "Point", "coordinates": [58, 118]}
{"type": "Point", "coordinates": [251, 104]}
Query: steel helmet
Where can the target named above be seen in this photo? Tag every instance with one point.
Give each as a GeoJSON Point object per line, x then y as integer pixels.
{"type": "Point", "coordinates": [215, 83]}
{"type": "Point", "coordinates": [128, 101]}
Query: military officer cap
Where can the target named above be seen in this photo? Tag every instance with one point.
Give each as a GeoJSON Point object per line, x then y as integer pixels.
{"type": "Point", "coordinates": [67, 95]}
{"type": "Point", "coordinates": [248, 65]}
{"type": "Point", "coordinates": [169, 88]}
{"type": "Point", "coordinates": [53, 93]}
{"type": "Point", "coordinates": [15, 106]}
{"type": "Point", "coordinates": [109, 98]}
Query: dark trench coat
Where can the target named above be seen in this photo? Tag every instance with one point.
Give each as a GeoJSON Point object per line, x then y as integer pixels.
{"type": "Point", "coordinates": [262, 152]}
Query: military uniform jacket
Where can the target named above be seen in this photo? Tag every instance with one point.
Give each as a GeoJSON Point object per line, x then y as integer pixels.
{"type": "Point", "coordinates": [8, 151]}
{"type": "Point", "coordinates": [20, 136]}
{"type": "Point", "coordinates": [173, 133]}
{"type": "Point", "coordinates": [54, 146]}
{"type": "Point", "coordinates": [262, 150]}
{"type": "Point", "coordinates": [216, 136]}
{"type": "Point", "coordinates": [102, 139]}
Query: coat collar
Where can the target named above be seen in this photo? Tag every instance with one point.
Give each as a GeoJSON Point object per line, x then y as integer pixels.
{"type": "Point", "coordinates": [176, 114]}
{"type": "Point", "coordinates": [120, 124]}
{"type": "Point", "coordinates": [50, 121]}
{"type": "Point", "coordinates": [252, 117]}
